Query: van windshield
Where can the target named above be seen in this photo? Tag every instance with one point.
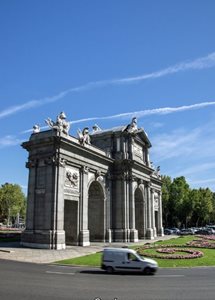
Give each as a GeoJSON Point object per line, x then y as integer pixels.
{"type": "Point", "coordinates": [139, 256]}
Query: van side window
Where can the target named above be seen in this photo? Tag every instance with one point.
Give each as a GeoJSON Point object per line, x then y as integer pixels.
{"type": "Point", "coordinates": [132, 257]}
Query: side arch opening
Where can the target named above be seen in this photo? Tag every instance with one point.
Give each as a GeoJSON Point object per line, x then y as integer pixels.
{"type": "Point", "coordinates": [139, 212]}
{"type": "Point", "coordinates": [96, 212]}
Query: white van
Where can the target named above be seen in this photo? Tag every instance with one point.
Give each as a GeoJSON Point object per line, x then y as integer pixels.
{"type": "Point", "coordinates": [124, 259]}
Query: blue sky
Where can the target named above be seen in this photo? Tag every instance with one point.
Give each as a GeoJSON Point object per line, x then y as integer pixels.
{"type": "Point", "coordinates": [116, 59]}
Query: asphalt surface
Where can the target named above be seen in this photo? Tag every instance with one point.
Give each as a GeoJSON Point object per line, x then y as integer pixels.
{"type": "Point", "coordinates": [22, 281]}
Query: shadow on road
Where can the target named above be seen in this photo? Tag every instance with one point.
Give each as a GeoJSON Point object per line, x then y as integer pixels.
{"type": "Point", "coordinates": [101, 272]}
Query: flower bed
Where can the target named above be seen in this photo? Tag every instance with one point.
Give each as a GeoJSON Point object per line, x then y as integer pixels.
{"type": "Point", "coordinates": [207, 237]}
{"type": "Point", "coordinates": [170, 251]}
{"type": "Point", "coordinates": [203, 242]}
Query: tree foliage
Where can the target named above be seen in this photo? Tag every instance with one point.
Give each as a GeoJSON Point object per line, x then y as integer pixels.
{"type": "Point", "coordinates": [185, 207]}
{"type": "Point", "coordinates": [12, 202]}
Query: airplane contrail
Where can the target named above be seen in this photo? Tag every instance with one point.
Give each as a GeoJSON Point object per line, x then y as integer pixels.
{"type": "Point", "coordinates": [197, 64]}
{"type": "Point", "coordinates": [140, 113]}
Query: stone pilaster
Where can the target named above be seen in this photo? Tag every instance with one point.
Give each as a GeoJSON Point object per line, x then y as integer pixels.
{"type": "Point", "coordinates": [121, 231]}
{"type": "Point", "coordinates": [160, 219]}
{"type": "Point", "coordinates": [133, 231]}
{"type": "Point", "coordinates": [58, 209]}
{"type": "Point", "coordinates": [44, 228]}
{"type": "Point", "coordinates": [108, 190]}
{"type": "Point", "coordinates": [153, 213]}
{"type": "Point", "coordinates": [149, 230]}
{"type": "Point", "coordinates": [84, 236]}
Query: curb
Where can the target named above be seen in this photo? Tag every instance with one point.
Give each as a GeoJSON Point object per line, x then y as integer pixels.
{"type": "Point", "coordinates": [6, 251]}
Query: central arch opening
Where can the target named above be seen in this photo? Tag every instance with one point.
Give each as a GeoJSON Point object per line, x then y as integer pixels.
{"type": "Point", "coordinates": [71, 222]}
{"type": "Point", "coordinates": [139, 213]}
{"type": "Point", "coordinates": [96, 212]}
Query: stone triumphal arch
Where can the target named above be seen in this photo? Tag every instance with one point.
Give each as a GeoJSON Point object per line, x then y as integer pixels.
{"type": "Point", "coordinates": [98, 187]}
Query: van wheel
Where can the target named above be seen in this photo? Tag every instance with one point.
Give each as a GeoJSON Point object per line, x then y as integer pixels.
{"type": "Point", "coordinates": [147, 271]}
{"type": "Point", "coordinates": [109, 270]}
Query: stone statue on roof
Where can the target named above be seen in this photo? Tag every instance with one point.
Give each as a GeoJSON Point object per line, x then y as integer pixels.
{"type": "Point", "coordinates": [36, 128]}
{"type": "Point", "coordinates": [96, 128]}
{"type": "Point", "coordinates": [83, 136]}
{"type": "Point", "coordinates": [132, 127]}
{"type": "Point", "coordinates": [60, 125]}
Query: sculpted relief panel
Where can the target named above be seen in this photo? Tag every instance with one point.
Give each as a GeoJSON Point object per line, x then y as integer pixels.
{"type": "Point", "coordinates": [156, 202]}
{"type": "Point", "coordinates": [71, 182]}
{"type": "Point", "coordinates": [138, 152]}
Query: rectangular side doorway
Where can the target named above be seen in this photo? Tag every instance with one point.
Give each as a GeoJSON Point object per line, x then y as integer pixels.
{"type": "Point", "coordinates": [71, 222]}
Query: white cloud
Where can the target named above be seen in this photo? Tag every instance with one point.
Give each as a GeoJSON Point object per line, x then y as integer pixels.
{"type": "Point", "coordinates": [9, 140]}
{"type": "Point", "coordinates": [175, 144]}
{"type": "Point", "coordinates": [197, 169]}
{"type": "Point", "coordinates": [189, 153]}
{"type": "Point", "coordinates": [197, 143]}
{"type": "Point", "coordinates": [197, 64]}
{"type": "Point", "coordinates": [203, 181]}
{"type": "Point", "coordinates": [156, 125]}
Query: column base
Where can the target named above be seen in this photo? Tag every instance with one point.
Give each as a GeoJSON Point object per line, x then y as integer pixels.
{"type": "Point", "coordinates": [108, 237]}
{"type": "Point", "coordinates": [155, 232]}
{"type": "Point", "coordinates": [150, 234]}
{"type": "Point", "coordinates": [84, 238]}
{"type": "Point", "coordinates": [134, 235]}
{"type": "Point", "coordinates": [43, 239]}
{"type": "Point", "coordinates": [161, 232]}
{"type": "Point", "coordinates": [121, 235]}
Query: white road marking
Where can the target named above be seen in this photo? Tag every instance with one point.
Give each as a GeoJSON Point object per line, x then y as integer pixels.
{"type": "Point", "coordinates": [65, 266]}
{"type": "Point", "coordinates": [59, 273]}
{"type": "Point", "coordinates": [169, 276]}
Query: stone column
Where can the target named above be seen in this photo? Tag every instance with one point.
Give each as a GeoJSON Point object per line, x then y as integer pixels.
{"type": "Point", "coordinates": [160, 216]}
{"type": "Point", "coordinates": [46, 204]}
{"type": "Point", "coordinates": [147, 158]}
{"type": "Point", "coordinates": [153, 212]}
{"type": "Point", "coordinates": [58, 209]}
{"type": "Point", "coordinates": [27, 234]}
{"type": "Point", "coordinates": [133, 231]}
{"type": "Point", "coordinates": [149, 230]}
{"type": "Point", "coordinates": [108, 191]}
{"type": "Point", "coordinates": [120, 230]}
{"type": "Point", "coordinates": [84, 237]}
{"type": "Point", "coordinates": [127, 209]}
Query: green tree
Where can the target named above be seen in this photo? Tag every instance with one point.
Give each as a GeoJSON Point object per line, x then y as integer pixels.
{"type": "Point", "coordinates": [212, 214]}
{"type": "Point", "coordinates": [166, 187]}
{"type": "Point", "coordinates": [187, 207]}
{"type": "Point", "coordinates": [179, 198]}
{"type": "Point", "coordinates": [203, 207]}
{"type": "Point", "coordinates": [12, 202]}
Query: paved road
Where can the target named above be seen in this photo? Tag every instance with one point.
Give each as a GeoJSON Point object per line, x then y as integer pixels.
{"type": "Point", "coordinates": [26, 281]}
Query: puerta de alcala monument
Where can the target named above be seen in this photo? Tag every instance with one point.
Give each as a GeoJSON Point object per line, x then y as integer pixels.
{"type": "Point", "coordinates": [99, 187]}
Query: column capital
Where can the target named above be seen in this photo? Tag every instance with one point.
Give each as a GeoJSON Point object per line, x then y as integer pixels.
{"type": "Point", "coordinates": [32, 163]}
{"type": "Point", "coordinates": [140, 181]}
{"type": "Point", "coordinates": [85, 170]}
{"type": "Point", "coordinates": [55, 160]}
{"type": "Point", "coordinates": [148, 184]}
{"type": "Point", "coordinates": [159, 193]}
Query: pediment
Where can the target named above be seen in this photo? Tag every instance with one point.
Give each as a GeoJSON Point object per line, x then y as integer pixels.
{"type": "Point", "coordinates": [141, 137]}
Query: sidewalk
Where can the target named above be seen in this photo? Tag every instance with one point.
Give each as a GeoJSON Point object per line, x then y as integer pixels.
{"type": "Point", "coordinates": [13, 251]}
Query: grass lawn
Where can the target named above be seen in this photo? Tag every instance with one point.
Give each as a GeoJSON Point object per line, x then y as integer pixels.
{"type": "Point", "coordinates": [208, 258]}
{"type": "Point", "coordinates": [87, 260]}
